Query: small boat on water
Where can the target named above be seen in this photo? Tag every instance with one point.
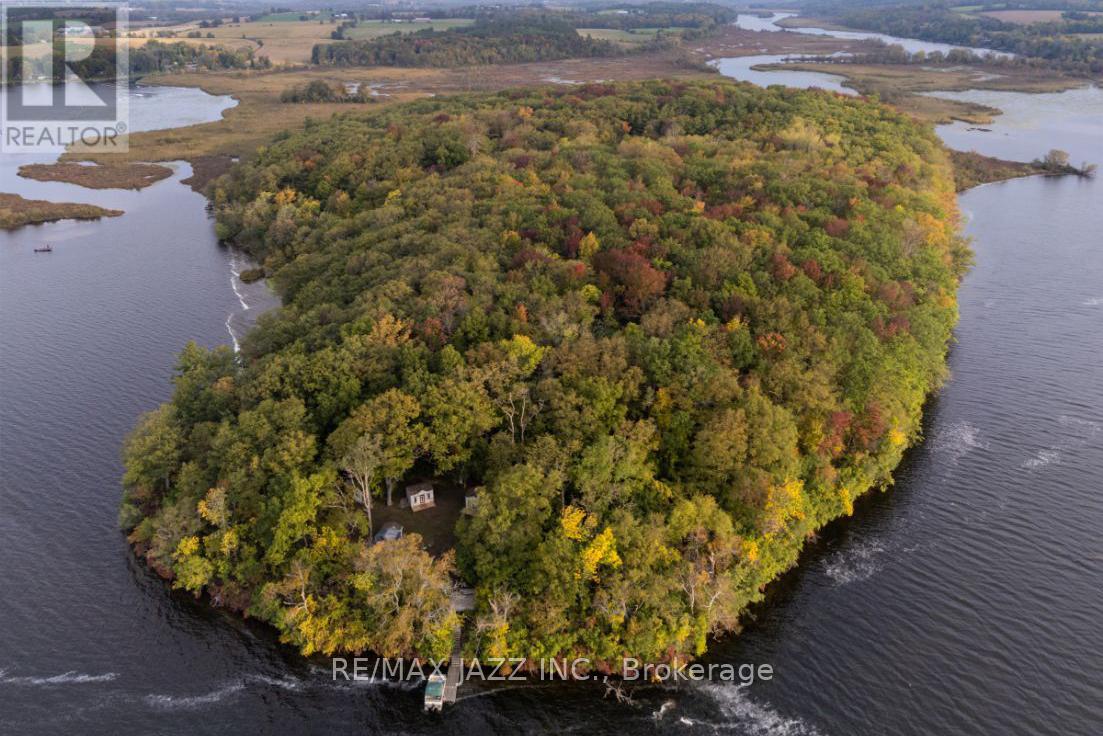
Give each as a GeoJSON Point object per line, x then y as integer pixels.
{"type": "Point", "coordinates": [44, 249]}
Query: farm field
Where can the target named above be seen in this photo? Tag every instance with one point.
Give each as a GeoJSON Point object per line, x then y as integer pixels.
{"type": "Point", "coordinates": [633, 37]}
{"type": "Point", "coordinates": [366, 29]}
{"type": "Point", "coordinates": [285, 39]}
{"type": "Point", "coordinates": [1023, 17]}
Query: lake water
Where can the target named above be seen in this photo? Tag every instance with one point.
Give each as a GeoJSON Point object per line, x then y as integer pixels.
{"type": "Point", "coordinates": [965, 600]}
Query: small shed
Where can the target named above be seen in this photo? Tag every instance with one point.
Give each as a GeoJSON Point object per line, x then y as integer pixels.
{"type": "Point", "coordinates": [389, 532]}
{"type": "Point", "coordinates": [420, 496]}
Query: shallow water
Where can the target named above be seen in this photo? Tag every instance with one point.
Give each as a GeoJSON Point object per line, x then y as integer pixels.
{"type": "Point", "coordinates": [1032, 124]}
{"type": "Point", "coordinates": [965, 600]}
{"type": "Point", "coordinates": [740, 67]}
{"type": "Point", "coordinates": [911, 45]}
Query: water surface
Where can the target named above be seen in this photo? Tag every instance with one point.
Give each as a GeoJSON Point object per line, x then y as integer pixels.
{"type": "Point", "coordinates": [911, 45]}
{"type": "Point", "coordinates": [741, 68]}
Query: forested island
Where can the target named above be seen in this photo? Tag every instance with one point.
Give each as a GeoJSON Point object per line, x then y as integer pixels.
{"type": "Point", "coordinates": [670, 329]}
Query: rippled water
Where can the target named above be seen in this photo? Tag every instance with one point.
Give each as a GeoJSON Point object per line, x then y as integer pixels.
{"type": "Point", "coordinates": [965, 600]}
{"type": "Point", "coordinates": [968, 599]}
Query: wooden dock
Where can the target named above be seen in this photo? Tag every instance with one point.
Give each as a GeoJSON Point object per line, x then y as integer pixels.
{"type": "Point", "coordinates": [463, 600]}
{"type": "Point", "coordinates": [455, 667]}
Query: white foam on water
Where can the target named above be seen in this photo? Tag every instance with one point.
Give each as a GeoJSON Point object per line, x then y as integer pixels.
{"type": "Point", "coordinates": [958, 439]}
{"type": "Point", "coordinates": [658, 715]}
{"type": "Point", "coordinates": [1087, 427]}
{"type": "Point", "coordinates": [181, 702]}
{"type": "Point", "coordinates": [1042, 459]}
{"type": "Point", "coordinates": [66, 678]}
{"type": "Point", "coordinates": [1095, 301]}
{"type": "Point", "coordinates": [235, 280]}
{"type": "Point", "coordinates": [753, 717]}
{"type": "Point", "coordinates": [284, 683]}
{"type": "Point", "coordinates": [1084, 429]}
{"type": "Point", "coordinates": [855, 563]}
{"type": "Point", "coordinates": [233, 337]}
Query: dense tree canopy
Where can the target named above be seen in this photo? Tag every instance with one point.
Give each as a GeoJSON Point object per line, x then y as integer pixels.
{"type": "Point", "coordinates": [509, 39]}
{"type": "Point", "coordinates": [671, 328]}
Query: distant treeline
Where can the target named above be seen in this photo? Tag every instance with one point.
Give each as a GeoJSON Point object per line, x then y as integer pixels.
{"type": "Point", "coordinates": [15, 16]}
{"type": "Point", "coordinates": [897, 54]}
{"type": "Point", "coordinates": [505, 40]}
{"type": "Point", "coordinates": [824, 7]}
{"type": "Point", "coordinates": [697, 16]}
{"type": "Point", "coordinates": [1051, 42]}
{"type": "Point", "coordinates": [626, 16]}
{"type": "Point", "coordinates": [153, 57]}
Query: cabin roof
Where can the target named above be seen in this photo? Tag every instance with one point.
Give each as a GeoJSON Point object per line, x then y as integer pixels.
{"type": "Point", "coordinates": [415, 488]}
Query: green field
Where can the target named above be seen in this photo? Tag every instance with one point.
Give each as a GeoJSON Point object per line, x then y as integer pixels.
{"type": "Point", "coordinates": [634, 36]}
{"type": "Point", "coordinates": [292, 16]}
{"type": "Point", "coordinates": [374, 28]}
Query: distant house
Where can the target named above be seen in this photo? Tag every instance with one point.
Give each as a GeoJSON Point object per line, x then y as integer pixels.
{"type": "Point", "coordinates": [389, 532]}
{"type": "Point", "coordinates": [420, 496]}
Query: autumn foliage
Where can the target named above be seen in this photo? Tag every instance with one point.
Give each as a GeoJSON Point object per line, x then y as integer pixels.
{"type": "Point", "coordinates": [669, 328]}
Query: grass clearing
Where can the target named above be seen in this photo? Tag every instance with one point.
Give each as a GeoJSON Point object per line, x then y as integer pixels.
{"type": "Point", "coordinates": [437, 525]}
{"type": "Point", "coordinates": [811, 22]}
{"type": "Point", "coordinates": [98, 176]}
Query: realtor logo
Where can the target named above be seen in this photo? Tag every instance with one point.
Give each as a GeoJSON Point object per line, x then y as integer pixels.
{"type": "Point", "coordinates": [65, 74]}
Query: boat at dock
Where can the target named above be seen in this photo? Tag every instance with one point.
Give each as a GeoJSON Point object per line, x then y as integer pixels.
{"type": "Point", "coordinates": [434, 692]}
{"type": "Point", "coordinates": [440, 689]}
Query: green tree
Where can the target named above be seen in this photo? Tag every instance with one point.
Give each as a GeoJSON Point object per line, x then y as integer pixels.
{"type": "Point", "coordinates": [389, 417]}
